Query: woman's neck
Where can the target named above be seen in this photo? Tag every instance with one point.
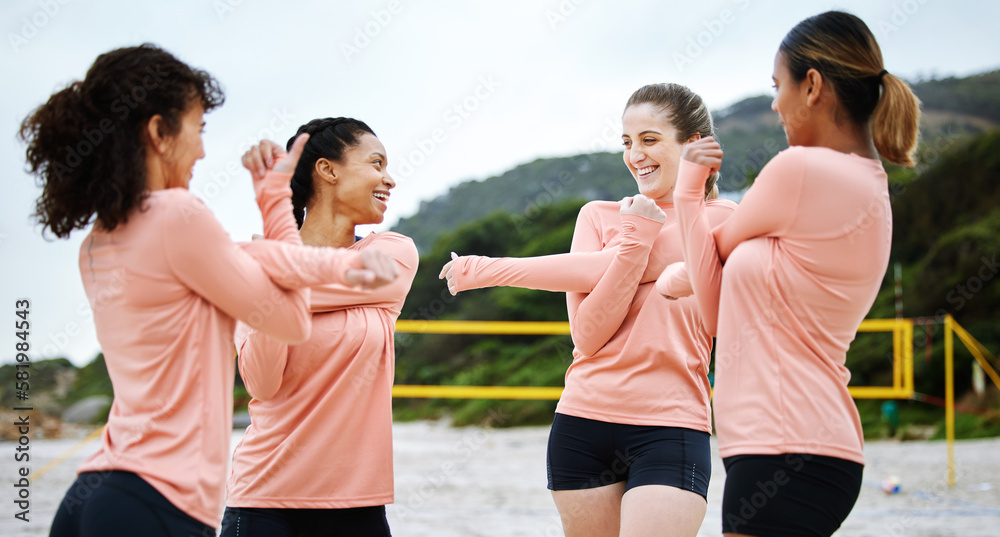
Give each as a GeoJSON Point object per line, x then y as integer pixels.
{"type": "Point", "coordinates": [327, 230]}
{"type": "Point", "coordinates": [846, 137]}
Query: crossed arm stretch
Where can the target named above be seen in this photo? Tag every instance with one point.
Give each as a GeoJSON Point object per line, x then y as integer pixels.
{"type": "Point", "coordinates": [600, 283]}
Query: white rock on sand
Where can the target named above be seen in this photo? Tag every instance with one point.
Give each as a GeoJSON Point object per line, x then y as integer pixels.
{"type": "Point", "coordinates": [462, 482]}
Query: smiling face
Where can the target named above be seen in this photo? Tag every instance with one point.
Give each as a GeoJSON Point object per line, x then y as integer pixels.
{"type": "Point", "coordinates": [185, 148]}
{"type": "Point", "coordinates": [362, 183]}
{"type": "Point", "coordinates": [652, 152]}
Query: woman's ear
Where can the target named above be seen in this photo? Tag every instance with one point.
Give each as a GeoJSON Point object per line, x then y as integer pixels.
{"type": "Point", "coordinates": [814, 87]}
{"type": "Point", "coordinates": [326, 170]}
{"type": "Point", "coordinates": [694, 138]}
{"type": "Point", "coordinates": [154, 132]}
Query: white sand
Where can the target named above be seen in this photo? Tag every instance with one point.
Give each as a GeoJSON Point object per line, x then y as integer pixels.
{"type": "Point", "coordinates": [491, 482]}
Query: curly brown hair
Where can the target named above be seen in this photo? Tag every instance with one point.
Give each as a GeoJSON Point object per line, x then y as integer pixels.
{"type": "Point", "coordinates": [87, 144]}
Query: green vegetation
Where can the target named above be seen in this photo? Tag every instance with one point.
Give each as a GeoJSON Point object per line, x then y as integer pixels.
{"type": "Point", "coordinates": [975, 95]}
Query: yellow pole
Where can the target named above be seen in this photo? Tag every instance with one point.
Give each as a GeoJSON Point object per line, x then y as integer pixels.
{"type": "Point", "coordinates": [977, 350]}
{"type": "Point", "coordinates": [949, 395]}
{"type": "Point", "coordinates": [897, 355]}
{"type": "Point", "coordinates": [37, 474]}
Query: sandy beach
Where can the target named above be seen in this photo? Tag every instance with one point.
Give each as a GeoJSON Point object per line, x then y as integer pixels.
{"type": "Point", "coordinates": [477, 482]}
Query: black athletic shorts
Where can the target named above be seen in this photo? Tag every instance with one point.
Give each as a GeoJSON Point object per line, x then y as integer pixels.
{"type": "Point", "coordinates": [788, 495]}
{"type": "Point", "coordinates": [121, 504]}
{"type": "Point", "coordinates": [267, 522]}
{"type": "Point", "coordinates": [585, 453]}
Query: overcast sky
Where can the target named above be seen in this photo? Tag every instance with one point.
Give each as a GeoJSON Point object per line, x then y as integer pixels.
{"type": "Point", "coordinates": [456, 90]}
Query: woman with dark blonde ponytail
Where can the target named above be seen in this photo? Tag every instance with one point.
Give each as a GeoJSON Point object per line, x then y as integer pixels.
{"type": "Point", "coordinates": [629, 450]}
{"type": "Point", "coordinates": [804, 256]}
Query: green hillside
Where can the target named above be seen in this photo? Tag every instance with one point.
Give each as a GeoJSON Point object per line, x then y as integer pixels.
{"type": "Point", "coordinates": [750, 135]}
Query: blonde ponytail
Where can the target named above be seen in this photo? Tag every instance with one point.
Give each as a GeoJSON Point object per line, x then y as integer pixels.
{"type": "Point", "coordinates": [896, 121]}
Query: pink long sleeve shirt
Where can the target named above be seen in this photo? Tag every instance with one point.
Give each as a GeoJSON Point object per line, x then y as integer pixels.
{"type": "Point", "coordinates": [321, 414]}
{"type": "Point", "coordinates": [165, 289]}
{"type": "Point", "coordinates": [639, 358]}
{"type": "Point", "coordinates": [804, 254]}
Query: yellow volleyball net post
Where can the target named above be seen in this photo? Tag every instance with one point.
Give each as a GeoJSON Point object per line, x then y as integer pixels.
{"type": "Point", "coordinates": [902, 360]}
{"type": "Point", "coordinates": [980, 353]}
{"type": "Point", "coordinates": [949, 395]}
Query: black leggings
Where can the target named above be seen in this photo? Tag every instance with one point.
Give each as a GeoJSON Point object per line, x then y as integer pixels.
{"type": "Point", "coordinates": [585, 453]}
{"type": "Point", "coordinates": [788, 495]}
{"type": "Point", "coordinates": [267, 522]}
{"type": "Point", "coordinates": [121, 504]}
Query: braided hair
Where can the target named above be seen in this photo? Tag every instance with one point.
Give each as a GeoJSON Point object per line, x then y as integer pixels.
{"type": "Point", "coordinates": [328, 138]}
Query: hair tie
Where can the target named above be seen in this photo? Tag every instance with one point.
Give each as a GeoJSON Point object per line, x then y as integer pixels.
{"type": "Point", "coordinates": [882, 74]}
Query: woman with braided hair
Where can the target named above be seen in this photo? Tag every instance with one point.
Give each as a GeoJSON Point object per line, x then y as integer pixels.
{"type": "Point", "coordinates": [317, 457]}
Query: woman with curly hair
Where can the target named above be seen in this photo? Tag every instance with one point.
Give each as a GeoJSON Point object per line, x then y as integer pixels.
{"type": "Point", "coordinates": [166, 285]}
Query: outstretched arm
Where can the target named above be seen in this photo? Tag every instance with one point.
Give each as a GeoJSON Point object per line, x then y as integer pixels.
{"type": "Point", "coordinates": [574, 272]}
